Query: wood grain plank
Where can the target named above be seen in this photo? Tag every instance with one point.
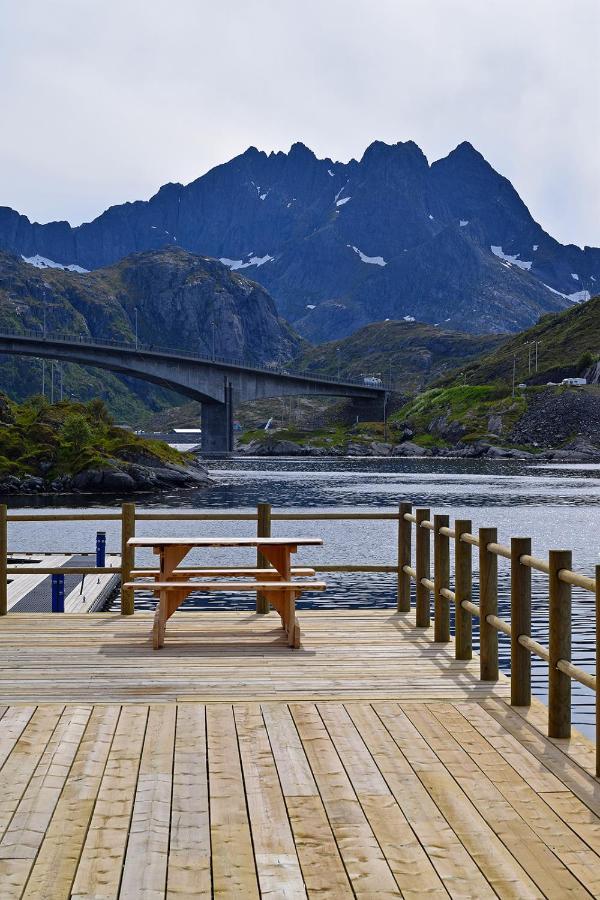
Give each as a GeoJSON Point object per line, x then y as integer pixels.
{"type": "Point", "coordinates": [189, 869]}
{"type": "Point", "coordinates": [234, 871]}
{"type": "Point", "coordinates": [367, 867]}
{"type": "Point", "coordinates": [23, 837]}
{"type": "Point", "coordinates": [274, 850]}
{"type": "Point", "coordinates": [406, 857]}
{"type": "Point", "coordinates": [312, 832]}
{"type": "Point", "coordinates": [146, 857]}
{"type": "Point", "coordinates": [100, 866]}
{"type": "Point", "coordinates": [459, 873]}
{"type": "Point", "coordinates": [54, 869]}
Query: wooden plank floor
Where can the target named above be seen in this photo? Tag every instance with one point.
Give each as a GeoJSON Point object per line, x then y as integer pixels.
{"type": "Point", "coordinates": [367, 764]}
{"type": "Point", "coordinates": [229, 655]}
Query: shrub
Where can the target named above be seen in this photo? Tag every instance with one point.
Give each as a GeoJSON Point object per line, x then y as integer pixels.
{"type": "Point", "coordinates": [76, 432]}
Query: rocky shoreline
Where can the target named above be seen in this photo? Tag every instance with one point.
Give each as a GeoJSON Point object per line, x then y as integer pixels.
{"type": "Point", "coordinates": [578, 450]}
{"type": "Point", "coordinates": [120, 478]}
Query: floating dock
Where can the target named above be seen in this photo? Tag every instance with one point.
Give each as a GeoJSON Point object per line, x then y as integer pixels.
{"type": "Point", "coordinates": [32, 592]}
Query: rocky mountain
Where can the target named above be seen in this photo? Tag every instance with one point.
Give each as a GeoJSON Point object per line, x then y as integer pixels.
{"type": "Point", "coordinates": [182, 301]}
{"type": "Point", "coordinates": [340, 245]}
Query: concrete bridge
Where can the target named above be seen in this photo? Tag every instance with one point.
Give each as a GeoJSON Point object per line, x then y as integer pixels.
{"type": "Point", "coordinates": [217, 383]}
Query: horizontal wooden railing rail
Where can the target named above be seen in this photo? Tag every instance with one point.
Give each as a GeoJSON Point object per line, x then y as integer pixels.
{"type": "Point", "coordinates": [128, 516]}
{"type": "Point", "coordinates": [561, 669]}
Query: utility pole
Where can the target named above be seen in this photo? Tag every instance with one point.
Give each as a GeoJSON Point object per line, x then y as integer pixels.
{"type": "Point", "coordinates": [43, 377]}
{"type": "Point", "coordinates": [337, 350]}
{"type": "Point", "coordinates": [136, 327]}
{"type": "Point", "coordinates": [52, 382]}
{"type": "Point", "coordinates": [61, 382]}
{"type": "Point", "coordinates": [537, 343]}
{"type": "Point", "coordinates": [213, 326]}
{"type": "Point", "coordinates": [514, 372]}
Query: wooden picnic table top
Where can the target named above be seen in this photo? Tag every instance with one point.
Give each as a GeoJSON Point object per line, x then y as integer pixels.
{"type": "Point", "coordinates": [222, 541]}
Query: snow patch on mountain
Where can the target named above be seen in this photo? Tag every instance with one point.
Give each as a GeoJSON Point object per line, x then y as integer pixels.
{"type": "Point", "coordinates": [512, 259]}
{"type": "Point", "coordinates": [372, 260]}
{"type": "Point", "coordinates": [41, 262]}
{"type": "Point", "coordinates": [409, 318]}
{"type": "Point", "coordinates": [575, 297]}
{"type": "Point", "coordinates": [234, 264]}
{"type": "Point", "coordinates": [574, 276]}
{"type": "Point", "coordinates": [342, 201]}
{"type": "Point", "coordinates": [463, 222]}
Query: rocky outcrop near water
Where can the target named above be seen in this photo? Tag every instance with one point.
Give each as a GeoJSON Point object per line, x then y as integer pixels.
{"type": "Point", "coordinates": [117, 479]}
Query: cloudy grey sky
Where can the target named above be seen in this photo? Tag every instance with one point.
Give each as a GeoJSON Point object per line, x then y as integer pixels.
{"type": "Point", "coordinates": [102, 101]}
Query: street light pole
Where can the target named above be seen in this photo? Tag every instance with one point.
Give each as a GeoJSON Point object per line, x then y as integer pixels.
{"type": "Point", "coordinates": [136, 327]}
{"type": "Point", "coordinates": [337, 350]}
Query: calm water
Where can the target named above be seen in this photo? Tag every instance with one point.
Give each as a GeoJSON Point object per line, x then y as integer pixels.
{"type": "Point", "coordinates": [557, 506]}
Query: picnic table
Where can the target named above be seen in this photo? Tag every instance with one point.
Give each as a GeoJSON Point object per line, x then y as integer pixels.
{"type": "Point", "coordinates": [173, 585]}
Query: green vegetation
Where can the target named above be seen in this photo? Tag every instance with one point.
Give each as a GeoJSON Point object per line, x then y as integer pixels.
{"type": "Point", "coordinates": [37, 438]}
{"type": "Point", "coordinates": [413, 353]}
{"type": "Point", "coordinates": [568, 343]}
{"type": "Point", "coordinates": [462, 411]}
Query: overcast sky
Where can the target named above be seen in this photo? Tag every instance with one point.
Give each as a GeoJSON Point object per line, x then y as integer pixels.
{"type": "Point", "coordinates": [102, 101]}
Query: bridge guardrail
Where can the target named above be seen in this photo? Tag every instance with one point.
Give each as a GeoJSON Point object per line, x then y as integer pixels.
{"type": "Point", "coordinates": [152, 348]}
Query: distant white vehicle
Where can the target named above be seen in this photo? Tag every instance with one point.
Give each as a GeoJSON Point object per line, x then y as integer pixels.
{"type": "Point", "coordinates": [575, 381]}
{"type": "Point", "coordinates": [522, 386]}
{"type": "Point", "coordinates": [372, 381]}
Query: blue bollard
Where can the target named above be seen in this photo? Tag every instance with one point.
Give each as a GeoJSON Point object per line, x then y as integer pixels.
{"type": "Point", "coordinates": [58, 593]}
{"type": "Point", "coordinates": [100, 549]}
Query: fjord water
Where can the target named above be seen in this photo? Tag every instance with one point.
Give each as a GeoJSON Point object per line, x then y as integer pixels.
{"type": "Point", "coordinates": [557, 506]}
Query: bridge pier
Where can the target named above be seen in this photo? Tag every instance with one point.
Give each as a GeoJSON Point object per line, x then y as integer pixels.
{"type": "Point", "coordinates": [217, 425]}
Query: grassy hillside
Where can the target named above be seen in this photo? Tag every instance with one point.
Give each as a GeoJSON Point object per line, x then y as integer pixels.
{"type": "Point", "coordinates": [568, 344]}
{"type": "Point", "coordinates": [413, 353]}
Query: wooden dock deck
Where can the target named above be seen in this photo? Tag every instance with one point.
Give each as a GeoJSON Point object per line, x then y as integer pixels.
{"type": "Point", "coordinates": [369, 763]}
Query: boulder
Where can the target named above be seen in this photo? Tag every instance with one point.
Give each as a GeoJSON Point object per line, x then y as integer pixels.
{"type": "Point", "coordinates": [407, 448]}
{"type": "Point", "coordinates": [379, 448]}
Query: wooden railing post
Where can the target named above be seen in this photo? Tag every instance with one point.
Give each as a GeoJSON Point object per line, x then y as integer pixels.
{"type": "Point", "coordinates": [3, 560]}
{"type": "Point", "coordinates": [404, 557]}
{"type": "Point", "coordinates": [127, 557]}
{"type": "Point", "coordinates": [597, 670]}
{"type": "Point", "coordinates": [559, 684]}
{"type": "Point", "coordinates": [441, 579]}
{"type": "Point", "coordinates": [520, 622]}
{"type": "Point", "coordinates": [488, 605]}
{"type": "Point", "coordinates": [422, 567]}
{"type": "Point", "coordinates": [263, 529]}
{"type": "Point", "coordinates": [463, 590]}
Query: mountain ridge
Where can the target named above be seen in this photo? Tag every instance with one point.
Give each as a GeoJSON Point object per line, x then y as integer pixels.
{"type": "Point", "coordinates": [340, 245]}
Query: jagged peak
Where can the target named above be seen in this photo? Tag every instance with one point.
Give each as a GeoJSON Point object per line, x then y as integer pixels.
{"type": "Point", "coordinates": [465, 154]}
{"type": "Point", "coordinates": [300, 149]}
{"type": "Point", "coordinates": [401, 150]}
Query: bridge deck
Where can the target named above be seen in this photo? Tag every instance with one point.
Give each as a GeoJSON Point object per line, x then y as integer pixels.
{"type": "Point", "coordinates": [367, 764]}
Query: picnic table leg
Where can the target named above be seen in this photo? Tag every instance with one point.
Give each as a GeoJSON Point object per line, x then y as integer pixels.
{"type": "Point", "coordinates": [280, 557]}
{"type": "Point", "coordinates": [170, 557]}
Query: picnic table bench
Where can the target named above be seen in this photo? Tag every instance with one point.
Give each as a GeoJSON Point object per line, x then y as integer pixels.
{"type": "Point", "coordinates": [173, 585]}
